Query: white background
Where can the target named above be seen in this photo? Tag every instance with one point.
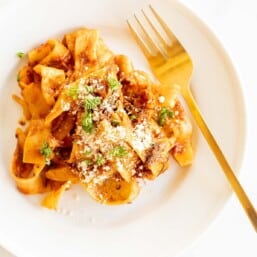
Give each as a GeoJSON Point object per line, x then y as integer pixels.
{"type": "Point", "coordinates": [235, 23]}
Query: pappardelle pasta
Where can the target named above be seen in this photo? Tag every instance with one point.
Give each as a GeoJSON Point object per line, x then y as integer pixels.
{"type": "Point", "coordinates": [90, 118]}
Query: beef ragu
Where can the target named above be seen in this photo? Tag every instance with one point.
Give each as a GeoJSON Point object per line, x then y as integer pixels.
{"type": "Point", "coordinates": [92, 119]}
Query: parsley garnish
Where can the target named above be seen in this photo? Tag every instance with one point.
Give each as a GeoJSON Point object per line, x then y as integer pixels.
{"type": "Point", "coordinates": [20, 54]}
{"type": "Point", "coordinates": [119, 151]}
{"type": "Point", "coordinates": [89, 89]}
{"type": "Point", "coordinates": [100, 161]}
{"type": "Point", "coordinates": [88, 162]}
{"type": "Point", "coordinates": [87, 119]}
{"type": "Point", "coordinates": [46, 151]}
{"type": "Point", "coordinates": [18, 78]}
{"type": "Point", "coordinates": [72, 92]}
{"type": "Point", "coordinates": [113, 83]}
{"type": "Point", "coordinates": [88, 153]}
{"type": "Point", "coordinates": [87, 122]}
{"type": "Point", "coordinates": [92, 103]}
{"type": "Point", "coordinates": [115, 123]}
{"type": "Point", "coordinates": [133, 117]}
{"type": "Point", "coordinates": [164, 113]}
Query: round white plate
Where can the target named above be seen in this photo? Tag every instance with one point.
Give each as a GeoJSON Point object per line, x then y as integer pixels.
{"type": "Point", "coordinates": [170, 212]}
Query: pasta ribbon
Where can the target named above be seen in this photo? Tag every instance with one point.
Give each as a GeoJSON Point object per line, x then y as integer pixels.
{"type": "Point", "coordinates": [52, 53]}
{"type": "Point", "coordinates": [52, 199]}
{"type": "Point", "coordinates": [35, 101]}
{"type": "Point", "coordinates": [51, 82]}
{"type": "Point", "coordinates": [37, 135]}
{"type": "Point", "coordinates": [114, 191]}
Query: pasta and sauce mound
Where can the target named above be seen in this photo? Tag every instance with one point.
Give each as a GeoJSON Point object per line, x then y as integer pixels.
{"type": "Point", "coordinates": [90, 118]}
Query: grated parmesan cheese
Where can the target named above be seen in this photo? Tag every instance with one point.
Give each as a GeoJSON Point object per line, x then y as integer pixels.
{"type": "Point", "coordinates": [161, 99]}
{"type": "Point", "coordinates": [142, 137]}
{"type": "Point", "coordinates": [65, 106]}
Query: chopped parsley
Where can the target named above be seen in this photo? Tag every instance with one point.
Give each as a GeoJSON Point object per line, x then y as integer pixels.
{"type": "Point", "coordinates": [88, 162]}
{"type": "Point", "coordinates": [89, 89]}
{"type": "Point", "coordinates": [88, 153]}
{"type": "Point", "coordinates": [92, 103]}
{"type": "Point", "coordinates": [87, 118]}
{"type": "Point", "coordinates": [87, 122]}
{"type": "Point", "coordinates": [113, 83]}
{"type": "Point", "coordinates": [18, 78]}
{"type": "Point", "coordinates": [100, 161]}
{"type": "Point", "coordinates": [46, 151]}
{"type": "Point", "coordinates": [20, 54]}
{"type": "Point", "coordinates": [115, 123]}
{"type": "Point", "coordinates": [119, 151]}
{"type": "Point", "coordinates": [133, 117]}
{"type": "Point", "coordinates": [164, 113]}
{"type": "Point", "coordinates": [73, 92]}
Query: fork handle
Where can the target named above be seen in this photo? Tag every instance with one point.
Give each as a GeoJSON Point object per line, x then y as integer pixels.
{"type": "Point", "coordinates": [235, 184]}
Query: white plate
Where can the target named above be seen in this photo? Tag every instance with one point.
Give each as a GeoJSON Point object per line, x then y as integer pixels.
{"type": "Point", "coordinates": [170, 212]}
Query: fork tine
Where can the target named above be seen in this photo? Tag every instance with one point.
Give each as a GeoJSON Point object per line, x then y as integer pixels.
{"type": "Point", "coordinates": [139, 40]}
{"type": "Point", "coordinates": [161, 39]}
{"type": "Point", "coordinates": [164, 25]}
{"type": "Point", "coordinates": [150, 40]}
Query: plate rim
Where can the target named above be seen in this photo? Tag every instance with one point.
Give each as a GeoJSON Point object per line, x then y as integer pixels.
{"type": "Point", "coordinates": [212, 35]}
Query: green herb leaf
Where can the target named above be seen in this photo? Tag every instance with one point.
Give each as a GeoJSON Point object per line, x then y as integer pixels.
{"type": "Point", "coordinates": [89, 89]}
{"type": "Point", "coordinates": [119, 151]}
{"type": "Point", "coordinates": [92, 103]}
{"type": "Point", "coordinates": [115, 123]}
{"type": "Point", "coordinates": [20, 54]}
{"type": "Point", "coordinates": [133, 117]}
{"type": "Point", "coordinates": [87, 122]}
{"type": "Point", "coordinates": [73, 92]}
{"type": "Point", "coordinates": [113, 83]}
{"type": "Point", "coordinates": [46, 151]}
{"type": "Point", "coordinates": [164, 113]}
{"type": "Point", "coordinates": [100, 161]}
{"type": "Point", "coordinates": [18, 78]}
{"type": "Point", "coordinates": [88, 162]}
{"type": "Point", "coordinates": [88, 153]}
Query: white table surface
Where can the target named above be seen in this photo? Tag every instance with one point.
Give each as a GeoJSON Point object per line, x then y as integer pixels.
{"type": "Point", "coordinates": [235, 24]}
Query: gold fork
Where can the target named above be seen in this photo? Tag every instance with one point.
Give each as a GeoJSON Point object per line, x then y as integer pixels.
{"type": "Point", "coordinates": [172, 65]}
